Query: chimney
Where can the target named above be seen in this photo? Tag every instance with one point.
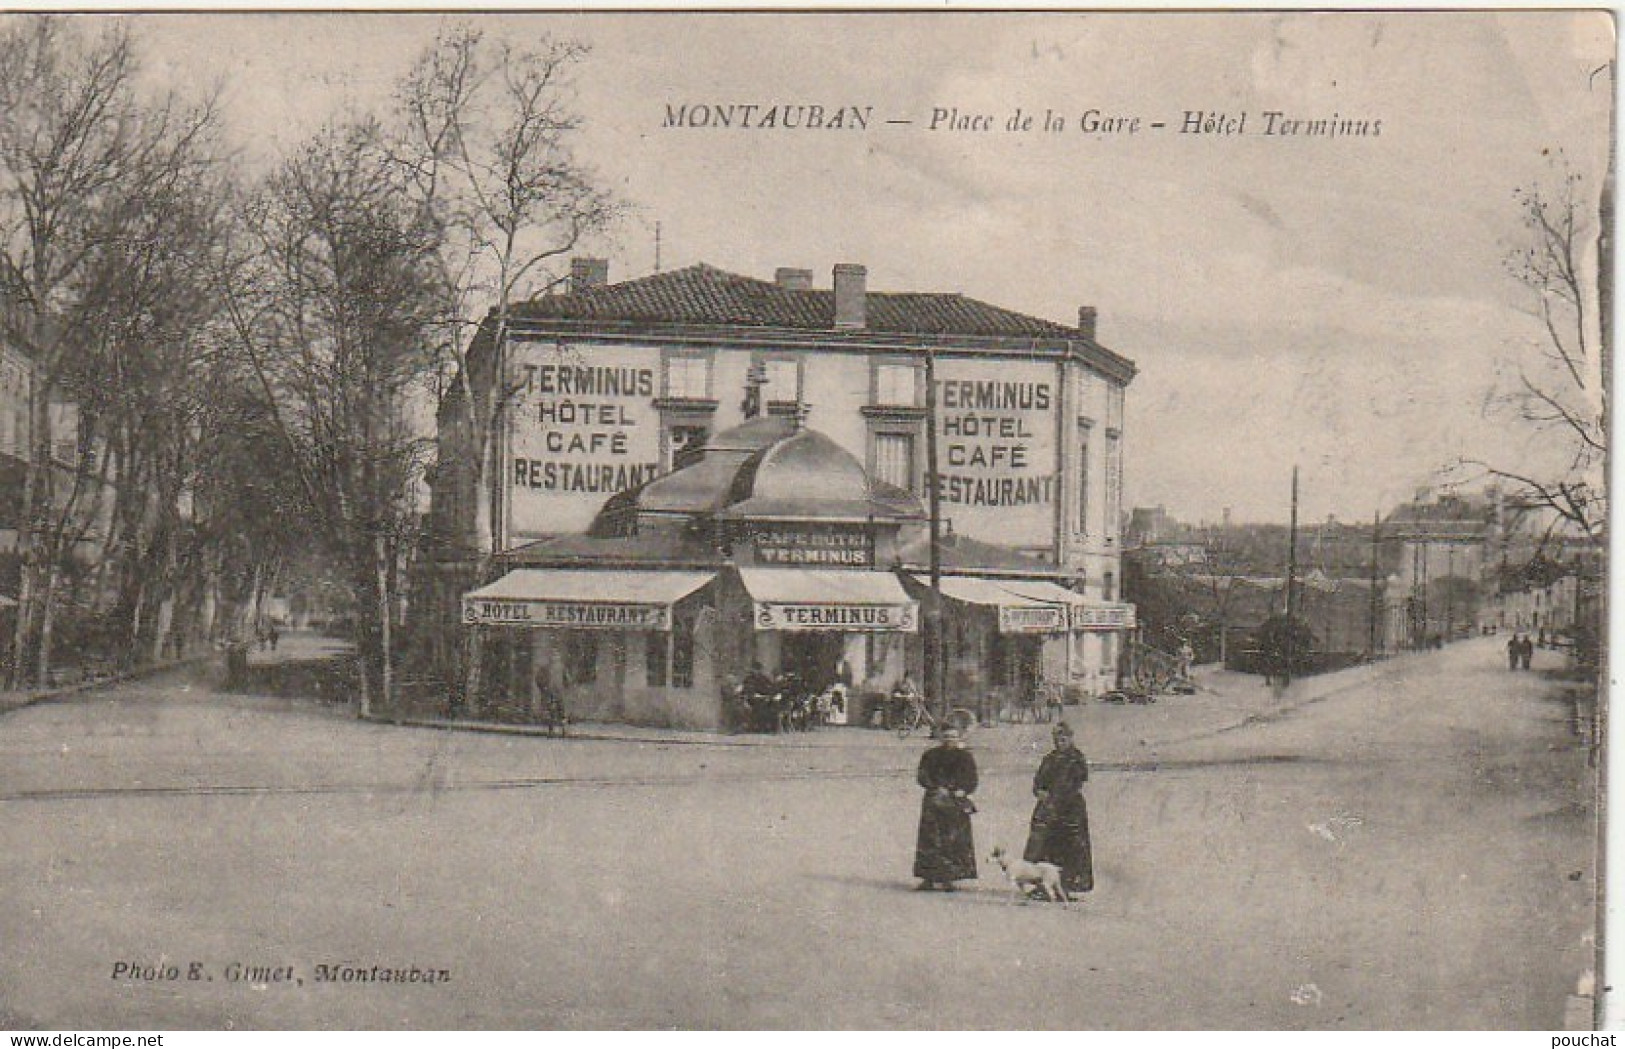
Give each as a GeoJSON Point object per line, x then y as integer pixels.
{"type": "Point", "coordinates": [588, 273]}
{"type": "Point", "coordinates": [851, 295]}
{"type": "Point", "coordinates": [1086, 322]}
{"type": "Point", "coordinates": [793, 279]}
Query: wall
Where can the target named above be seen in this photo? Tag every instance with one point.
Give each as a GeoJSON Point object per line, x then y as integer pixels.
{"type": "Point", "coordinates": [565, 443]}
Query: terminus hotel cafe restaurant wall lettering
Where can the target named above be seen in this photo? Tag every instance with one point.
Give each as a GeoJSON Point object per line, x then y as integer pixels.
{"type": "Point", "coordinates": [704, 472]}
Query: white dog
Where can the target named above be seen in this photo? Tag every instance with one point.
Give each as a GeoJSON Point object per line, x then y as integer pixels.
{"type": "Point", "coordinates": [1026, 877]}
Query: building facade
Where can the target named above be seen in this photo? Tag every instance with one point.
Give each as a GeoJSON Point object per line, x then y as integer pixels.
{"type": "Point", "coordinates": [643, 413]}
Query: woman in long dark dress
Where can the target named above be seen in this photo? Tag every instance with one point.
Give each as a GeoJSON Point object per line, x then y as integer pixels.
{"type": "Point", "coordinates": [1060, 826]}
{"type": "Point", "coordinates": [944, 852]}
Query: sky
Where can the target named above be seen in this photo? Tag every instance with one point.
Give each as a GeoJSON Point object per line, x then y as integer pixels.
{"type": "Point", "coordinates": [1339, 303]}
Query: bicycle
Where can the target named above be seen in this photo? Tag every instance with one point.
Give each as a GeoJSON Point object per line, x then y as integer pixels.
{"type": "Point", "coordinates": [916, 714]}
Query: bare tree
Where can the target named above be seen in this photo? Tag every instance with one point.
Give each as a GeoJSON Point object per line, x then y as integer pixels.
{"type": "Point", "coordinates": [334, 309]}
{"type": "Point", "coordinates": [1561, 389]}
{"type": "Point", "coordinates": [487, 137]}
{"type": "Point", "coordinates": [75, 143]}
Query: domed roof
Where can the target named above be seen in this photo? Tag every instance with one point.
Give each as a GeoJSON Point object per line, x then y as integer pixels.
{"type": "Point", "coordinates": [804, 464]}
{"type": "Point", "coordinates": [768, 468]}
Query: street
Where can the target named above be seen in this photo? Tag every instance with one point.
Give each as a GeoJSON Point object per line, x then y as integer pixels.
{"type": "Point", "coordinates": [1404, 846]}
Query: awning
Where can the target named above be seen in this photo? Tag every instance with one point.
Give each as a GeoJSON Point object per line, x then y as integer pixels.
{"type": "Point", "coordinates": [1084, 614]}
{"type": "Point", "coordinates": [1018, 613]}
{"type": "Point", "coordinates": [810, 599]}
{"type": "Point", "coordinates": [582, 599]}
{"type": "Point", "coordinates": [1026, 598]}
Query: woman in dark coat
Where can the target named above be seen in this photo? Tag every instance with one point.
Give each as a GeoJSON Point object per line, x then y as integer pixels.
{"type": "Point", "coordinates": [944, 852]}
{"type": "Point", "coordinates": [1060, 826]}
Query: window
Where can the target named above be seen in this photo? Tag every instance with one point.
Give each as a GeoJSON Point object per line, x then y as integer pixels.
{"type": "Point", "coordinates": [894, 459]}
{"type": "Point", "coordinates": [682, 653]}
{"type": "Point", "coordinates": [580, 658]}
{"type": "Point", "coordinates": [783, 381]}
{"type": "Point", "coordinates": [1083, 476]}
{"type": "Point", "coordinates": [682, 441]}
{"type": "Point", "coordinates": [654, 660]}
{"type": "Point", "coordinates": [1108, 584]}
{"type": "Point", "coordinates": [688, 378]}
{"type": "Point", "coordinates": [896, 385]}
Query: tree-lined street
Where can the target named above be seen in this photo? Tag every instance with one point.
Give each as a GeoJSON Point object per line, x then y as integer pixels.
{"type": "Point", "coordinates": [1407, 845]}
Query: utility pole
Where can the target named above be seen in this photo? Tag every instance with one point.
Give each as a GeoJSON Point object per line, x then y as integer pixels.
{"type": "Point", "coordinates": [1426, 547]}
{"type": "Point", "coordinates": [1376, 539]}
{"type": "Point", "coordinates": [1574, 627]}
{"type": "Point", "coordinates": [1291, 581]}
{"type": "Point", "coordinates": [936, 691]}
{"type": "Point", "coordinates": [1450, 592]}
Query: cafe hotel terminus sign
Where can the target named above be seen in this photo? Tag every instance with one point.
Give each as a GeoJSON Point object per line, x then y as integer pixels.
{"type": "Point", "coordinates": [844, 546]}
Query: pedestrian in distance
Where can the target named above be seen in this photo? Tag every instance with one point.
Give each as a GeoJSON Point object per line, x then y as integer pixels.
{"type": "Point", "coordinates": [1059, 832]}
{"type": "Point", "coordinates": [1527, 652]}
{"type": "Point", "coordinates": [759, 692]}
{"type": "Point", "coordinates": [1514, 651]}
{"type": "Point", "coordinates": [944, 851]}
{"type": "Point", "coordinates": [546, 702]}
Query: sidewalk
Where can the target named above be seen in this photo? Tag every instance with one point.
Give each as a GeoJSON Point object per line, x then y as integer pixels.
{"type": "Point", "coordinates": [1127, 734]}
{"type": "Point", "coordinates": [16, 699]}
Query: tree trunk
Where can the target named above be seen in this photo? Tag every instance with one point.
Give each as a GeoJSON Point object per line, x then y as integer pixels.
{"type": "Point", "coordinates": [25, 623]}
{"type": "Point", "coordinates": [209, 600]}
{"type": "Point", "coordinates": [47, 621]}
{"type": "Point", "coordinates": [381, 566]}
{"type": "Point", "coordinates": [137, 607]}
{"type": "Point", "coordinates": [476, 670]}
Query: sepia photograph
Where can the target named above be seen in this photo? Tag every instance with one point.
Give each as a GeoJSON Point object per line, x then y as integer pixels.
{"type": "Point", "coordinates": [805, 520]}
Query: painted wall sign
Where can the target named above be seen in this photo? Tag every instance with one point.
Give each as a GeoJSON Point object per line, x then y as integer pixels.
{"type": "Point", "coordinates": [795, 617]}
{"type": "Point", "coordinates": [584, 427]}
{"type": "Point", "coordinates": [848, 546]}
{"type": "Point", "coordinates": [568, 615]}
{"type": "Point", "coordinates": [1049, 619]}
{"type": "Point", "coordinates": [997, 463]}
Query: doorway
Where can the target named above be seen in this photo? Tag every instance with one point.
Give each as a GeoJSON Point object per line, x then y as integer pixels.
{"type": "Point", "coordinates": [812, 657]}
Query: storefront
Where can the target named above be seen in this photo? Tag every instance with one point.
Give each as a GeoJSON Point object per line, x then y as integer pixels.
{"type": "Point", "coordinates": [617, 645]}
{"type": "Point", "coordinates": [772, 551]}
{"type": "Point", "coordinates": [994, 641]}
{"type": "Point", "coordinates": [829, 626]}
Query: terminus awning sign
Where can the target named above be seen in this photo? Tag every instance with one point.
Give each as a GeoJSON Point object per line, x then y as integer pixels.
{"type": "Point", "coordinates": [774, 616]}
{"type": "Point", "coordinates": [574, 615]}
{"type": "Point", "coordinates": [828, 599]}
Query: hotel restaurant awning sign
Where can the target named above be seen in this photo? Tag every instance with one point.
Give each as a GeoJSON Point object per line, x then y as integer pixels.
{"type": "Point", "coordinates": [581, 600]}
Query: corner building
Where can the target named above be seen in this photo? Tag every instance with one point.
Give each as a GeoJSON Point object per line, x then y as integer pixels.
{"type": "Point", "coordinates": [701, 471]}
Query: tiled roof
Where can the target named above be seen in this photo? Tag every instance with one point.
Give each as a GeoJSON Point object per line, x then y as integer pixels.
{"type": "Point", "coordinates": [702, 294]}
